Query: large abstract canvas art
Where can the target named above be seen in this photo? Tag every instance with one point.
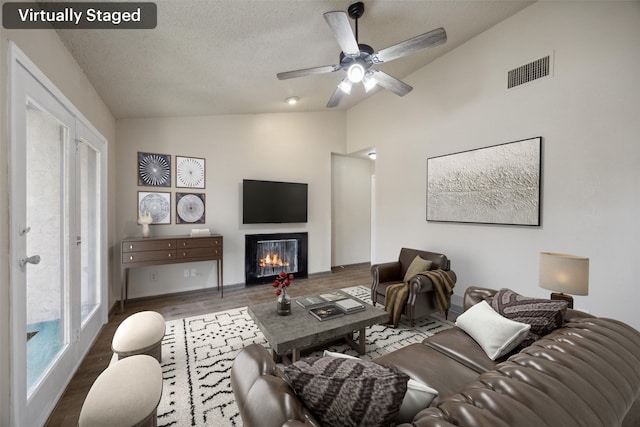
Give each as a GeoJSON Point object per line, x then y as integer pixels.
{"type": "Point", "coordinates": [493, 185]}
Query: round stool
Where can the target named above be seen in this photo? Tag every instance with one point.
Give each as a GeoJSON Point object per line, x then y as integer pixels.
{"type": "Point", "coordinates": [140, 333]}
{"type": "Point", "coordinates": [126, 394]}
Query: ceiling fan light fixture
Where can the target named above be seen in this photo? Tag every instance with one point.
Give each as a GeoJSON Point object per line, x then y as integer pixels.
{"type": "Point", "coordinates": [345, 86]}
{"type": "Point", "coordinates": [369, 82]}
{"type": "Point", "coordinates": [355, 72]}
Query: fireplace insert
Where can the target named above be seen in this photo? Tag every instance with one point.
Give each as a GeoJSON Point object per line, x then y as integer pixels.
{"type": "Point", "coordinates": [266, 255]}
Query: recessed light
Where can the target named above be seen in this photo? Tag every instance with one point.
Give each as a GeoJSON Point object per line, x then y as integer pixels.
{"type": "Point", "coordinates": [292, 100]}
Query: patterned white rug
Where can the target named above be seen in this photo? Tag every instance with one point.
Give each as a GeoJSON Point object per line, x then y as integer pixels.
{"type": "Point", "coordinates": [198, 352]}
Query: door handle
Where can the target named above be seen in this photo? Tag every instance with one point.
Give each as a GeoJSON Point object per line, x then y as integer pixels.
{"type": "Point", "coordinates": [31, 260]}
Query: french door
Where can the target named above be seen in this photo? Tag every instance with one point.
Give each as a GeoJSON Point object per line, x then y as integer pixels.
{"type": "Point", "coordinates": [57, 246]}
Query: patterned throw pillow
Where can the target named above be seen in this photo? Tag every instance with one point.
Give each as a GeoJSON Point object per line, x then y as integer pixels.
{"type": "Point", "coordinates": [542, 314]}
{"type": "Point", "coordinates": [348, 392]}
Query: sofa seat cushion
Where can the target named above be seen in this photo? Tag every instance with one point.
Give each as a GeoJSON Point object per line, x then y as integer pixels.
{"type": "Point", "coordinates": [348, 392]}
{"type": "Point", "coordinates": [430, 367]}
{"type": "Point", "coordinates": [458, 345]}
{"type": "Point", "coordinates": [542, 314]}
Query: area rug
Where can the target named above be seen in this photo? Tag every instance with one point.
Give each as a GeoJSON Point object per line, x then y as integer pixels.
{"type": "Point", "coordinates": [198, 352]}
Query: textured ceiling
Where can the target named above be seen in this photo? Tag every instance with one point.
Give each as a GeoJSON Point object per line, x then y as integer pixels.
{"type": "Point", "coordinates": [221, 56]}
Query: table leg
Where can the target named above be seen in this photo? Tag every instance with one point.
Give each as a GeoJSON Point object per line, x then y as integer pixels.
{"type": "Point", "coordinates": [220, 286]}
{"type": "Point", "coordinates": [295, 355]}
{"type": "Point", "coordinates": [361, 345]}
{"type": "Point", "coordinates": [362, 341]}
{"type": "Point", "coordinates": [124, 279]}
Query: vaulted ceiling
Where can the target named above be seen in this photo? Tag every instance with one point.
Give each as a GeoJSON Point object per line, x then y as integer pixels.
{"type": "Point", "coordinates": [209, 57]}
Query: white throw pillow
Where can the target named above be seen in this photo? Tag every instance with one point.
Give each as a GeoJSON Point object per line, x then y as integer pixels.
{"type": "Point", "coordinates": [417, 397]}
{"type": "Point", "coordinates": [328, 353]}
{"type": "Point", "coordinates": [496, 335]}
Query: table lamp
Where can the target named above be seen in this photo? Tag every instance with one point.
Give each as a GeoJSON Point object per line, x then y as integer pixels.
{"type": "Point", "coordinates": [564, 274]}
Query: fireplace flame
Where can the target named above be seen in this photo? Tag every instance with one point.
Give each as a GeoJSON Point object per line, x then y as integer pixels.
{"type": "Point", "coordinates": [271, 260]}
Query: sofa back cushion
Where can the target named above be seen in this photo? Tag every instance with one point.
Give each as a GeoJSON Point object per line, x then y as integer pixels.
{"type": "Point", "coordinates": [585, 374]}
{"type": "Point", "coordinates": [475, 294]}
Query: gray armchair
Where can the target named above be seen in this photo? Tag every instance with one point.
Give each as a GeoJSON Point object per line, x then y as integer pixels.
{"type": "Point", "coordinates": [422, 296]}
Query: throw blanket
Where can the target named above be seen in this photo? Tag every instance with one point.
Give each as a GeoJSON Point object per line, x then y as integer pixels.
{"type": "Point", "coordinates": [396, 295]}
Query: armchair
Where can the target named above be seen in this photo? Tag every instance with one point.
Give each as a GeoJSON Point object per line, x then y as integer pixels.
{"type": "Point", "coordinates": [422, 296]}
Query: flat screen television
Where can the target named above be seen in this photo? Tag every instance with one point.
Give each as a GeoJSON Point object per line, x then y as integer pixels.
{"type": "Point", "coordinates": [273, 202]}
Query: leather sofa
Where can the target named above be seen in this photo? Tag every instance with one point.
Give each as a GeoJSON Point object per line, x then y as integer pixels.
{"type": "Point", "coordinates": [422, 296]}
{"type": "Point", "coordinates": [583, 374]}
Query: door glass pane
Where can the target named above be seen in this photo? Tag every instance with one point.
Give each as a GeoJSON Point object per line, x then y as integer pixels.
{"type": "Point", "coordinates": [89, 195]}
{"type": "Point", "coordinates": [46, 337]}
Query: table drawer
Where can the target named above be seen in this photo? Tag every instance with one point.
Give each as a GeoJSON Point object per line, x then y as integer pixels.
{"type": "Point", "coordinates": [200, 242]}
{"type": "Point", "coordinates": [151, 245]}
{"type": "Point", "coordinates": [133, 257]}
{"type": "Point", "coordinates": [211, 252]}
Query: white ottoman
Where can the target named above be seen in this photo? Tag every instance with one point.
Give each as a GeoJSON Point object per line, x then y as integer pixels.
{"type": "Point", "coordinates": [126, 394]}
{"type": "Point", "coordinates": [140, 333]}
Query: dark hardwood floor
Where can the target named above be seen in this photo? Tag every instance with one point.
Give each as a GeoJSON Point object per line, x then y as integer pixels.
{"type": "Point", "coordinates": [177, 306]}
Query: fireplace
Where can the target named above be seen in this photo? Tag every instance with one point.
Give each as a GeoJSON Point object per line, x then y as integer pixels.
{"type": "Point", "coordinates": [266, 255]}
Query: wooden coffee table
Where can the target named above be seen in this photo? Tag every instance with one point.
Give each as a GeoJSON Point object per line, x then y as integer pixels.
{"type": "Point", "coordinates": [300, 330]}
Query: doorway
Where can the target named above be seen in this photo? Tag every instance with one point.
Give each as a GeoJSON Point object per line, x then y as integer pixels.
{"type": "Point", "coordinates": [57, 240]}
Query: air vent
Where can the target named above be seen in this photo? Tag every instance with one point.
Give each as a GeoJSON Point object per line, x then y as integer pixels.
{"type": "Point", "coordinates": [529, 72]}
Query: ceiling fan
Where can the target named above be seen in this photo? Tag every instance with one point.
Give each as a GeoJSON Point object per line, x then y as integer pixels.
{"type": "Point", "coordinates": [358, 59]}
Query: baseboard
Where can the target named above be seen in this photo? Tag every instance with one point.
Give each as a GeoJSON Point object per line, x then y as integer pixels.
{"type": "Point", "coordinates": [116, 305]}
{"type": "Point", "coordinates": [456, 309]}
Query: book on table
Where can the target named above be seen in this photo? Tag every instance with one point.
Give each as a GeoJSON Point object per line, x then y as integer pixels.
{"type": "Point", "coordinates": [310, 301]}
{"type": "Point", "coordinates": [349, 305]}
{"type": "Point", "coordinates": [332, 296]}
{"type": "Point", "coordinates": [326, 312]}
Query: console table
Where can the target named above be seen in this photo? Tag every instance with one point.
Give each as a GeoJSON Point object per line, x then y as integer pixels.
{"type": "Point", "coordinates": [149, 251]}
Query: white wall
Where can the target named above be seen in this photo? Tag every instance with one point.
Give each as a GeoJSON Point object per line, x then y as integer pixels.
{"type": "Point", "coordinates": [293, 147]}
{"type": "Point", "coordinates": [46, 50]}
{"type": "Point", "coordinates": [587, 114]}
{"type": "Point", "coordinates": [351, 210]}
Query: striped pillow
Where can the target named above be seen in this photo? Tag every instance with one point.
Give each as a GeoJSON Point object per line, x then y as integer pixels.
{"type": "Point", "coordinates": [348, 392]}
{"type": "Point", "coordinates": [542, 314]}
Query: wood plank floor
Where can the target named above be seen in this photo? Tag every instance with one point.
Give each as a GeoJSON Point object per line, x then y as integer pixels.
{"type": "Point", "coordinates": [67, 411]}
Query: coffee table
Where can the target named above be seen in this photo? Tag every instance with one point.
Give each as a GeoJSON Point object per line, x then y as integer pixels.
{"type": "Point", "coordinates": [300, 329]}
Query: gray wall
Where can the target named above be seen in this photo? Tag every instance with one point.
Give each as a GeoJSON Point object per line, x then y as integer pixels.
{"type": "Point", "coordinates": [587, 114]}
{"type": "Point", "coordinates": [292, 147]}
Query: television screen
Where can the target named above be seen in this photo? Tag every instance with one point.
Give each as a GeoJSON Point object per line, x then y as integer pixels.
{"type": "Point", "coordinates": [273, 202]}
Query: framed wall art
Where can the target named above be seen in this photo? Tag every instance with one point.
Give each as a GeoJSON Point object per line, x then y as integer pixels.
{"type": "Point", "coordinates": [154, 169]}
{"type": "Point", "coordinates": [158, 204]}
{"type": "Point", "coordinates": [190, 172]}
{"type": "Point", "coordinates": [493, 185]}
{"type": "Point", "coordinates": [190, 208]}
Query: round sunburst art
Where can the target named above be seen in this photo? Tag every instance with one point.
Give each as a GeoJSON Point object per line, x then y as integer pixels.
{"type": "Point", "coordinates": [154, 169]}
{"type": "Point", "coordinates": [189, 172]}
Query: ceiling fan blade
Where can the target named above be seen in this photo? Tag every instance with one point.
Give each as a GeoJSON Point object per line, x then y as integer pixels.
{"type": "Point", "coordinates": [335, 99]}
{"type": "Point", "coordinates": [339, 24]}
{"type": "Point", "coordinates": [308, 71]}
{"type": "Point", "coordinates": [388, 82]}
{"type": "Point", "coordinates": [432, 38]}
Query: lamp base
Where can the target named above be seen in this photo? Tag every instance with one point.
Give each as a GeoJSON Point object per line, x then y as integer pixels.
{"type": "Point", "coordinates": [563, 297]}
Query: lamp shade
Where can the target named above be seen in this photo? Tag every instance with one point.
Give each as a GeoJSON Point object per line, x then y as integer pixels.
{"type": "Point", "coordinates": [564, 273]}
